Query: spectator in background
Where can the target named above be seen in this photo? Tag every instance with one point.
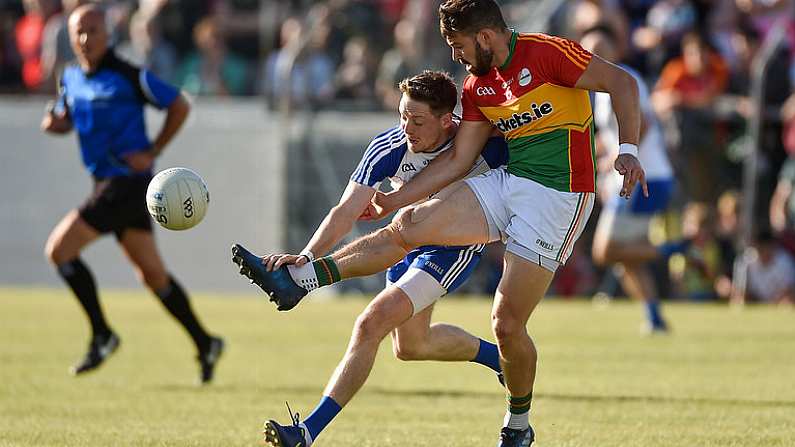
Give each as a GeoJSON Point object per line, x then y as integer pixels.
{"type": "Point", "coordinates": [55, 49]}
{"type": "Point", "coordinates": [29, 33]}
{"type": "Point", "coordinates": [239, 21]}
{"type": "Point", "coordinates": [788, 119]}
{"type": "Point", "coordinates": [398, 63]}
{"type": "Point", "coordinates": [782, 205]}
{"type": "Point", "coordinates": [433, 51]}
{"type": "Point", "coordinates": [588, 14]}
{"type": "Point", "coordinates": [765, 13]}
{"type": "Point", "coordinates": [683, 98]}
{"type": "Point", "coordinates": [118, 14]}
{"type": "Point", "coordinates": [311, 81]}
{"type": "Point", "coordinates": [695, 278]}
{"type": "Point", "coordinates": [147, 47]}
{"type": "Point", "coordinates": [770, 274]}
{"type": "Point", "coordinates": [355, 78]}
{"type": "Point", "coordinates": [666, 22]}
{"type": "Point", "coordinates": [212, 69]}
{"type": "Point", "coordinates": [726, 233]}
{"type": "Point", "coordinates": [722, 20]}
{"type": "Point", "coordinates": [178, 17]}
{"type": "Point", "coordinates": [10, 74]}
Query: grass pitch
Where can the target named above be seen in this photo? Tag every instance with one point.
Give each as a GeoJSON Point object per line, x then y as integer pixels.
{"type": "Point", "coordinates": [723, 378]}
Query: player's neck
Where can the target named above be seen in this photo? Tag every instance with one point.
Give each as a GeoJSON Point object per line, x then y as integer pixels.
{"type": "Point", "coordinates": [89, 66]}
{"type": "Point", "coordinates": [445, 137]}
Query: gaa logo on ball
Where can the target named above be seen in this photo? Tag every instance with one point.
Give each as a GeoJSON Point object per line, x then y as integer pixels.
{"type": "Point", "coordinates": [177, 198]}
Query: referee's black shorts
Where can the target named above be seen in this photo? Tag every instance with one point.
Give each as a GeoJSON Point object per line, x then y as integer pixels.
{"type": "Point", "coordinates": [118, 203]}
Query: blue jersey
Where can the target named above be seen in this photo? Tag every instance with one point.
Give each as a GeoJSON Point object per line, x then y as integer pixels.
{"type": "Point", "coordinates": [106, 108]}
{"type": "Point", "coordinates": [388, 157]}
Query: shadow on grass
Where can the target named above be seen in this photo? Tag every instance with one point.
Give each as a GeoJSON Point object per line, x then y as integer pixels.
{"type": "Point", "coordinates": [460, 394]}
{"type": "Point", "coordinates": [587, 398]}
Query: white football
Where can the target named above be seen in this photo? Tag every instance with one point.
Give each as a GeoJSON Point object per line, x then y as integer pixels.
{"type": "Point", "coordinates": [177, 198]}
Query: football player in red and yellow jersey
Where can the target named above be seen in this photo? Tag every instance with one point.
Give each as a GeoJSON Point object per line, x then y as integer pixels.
{"type": "Point", "coordinates": [534, 89]}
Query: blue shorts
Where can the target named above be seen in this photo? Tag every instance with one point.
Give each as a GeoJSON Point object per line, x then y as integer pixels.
{"type": "Point", "coordinates": [450, 266]}
{"type": "Point", "coordinates": [660, 192]}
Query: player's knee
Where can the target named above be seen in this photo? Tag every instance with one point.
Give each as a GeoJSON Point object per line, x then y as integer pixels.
{"type": "Point", "coordinates": [604, 253]}
{"type": "Point", "coordinates": [408, 351]}
{"type": "Point", "coordinates": [154, 279]}
{"type": "Point", "coordinates": [506, 326]}
{"type": "Point", "coordinates": [50, 253]}
{"type": "Point", "coordinates": [370, 327]}
{"type": "Point", "coordinates": [55, 253]}
{"type": "Point", "coordinates": [599, 256]}
{"type": "Point", "coordinates": [400, 228]}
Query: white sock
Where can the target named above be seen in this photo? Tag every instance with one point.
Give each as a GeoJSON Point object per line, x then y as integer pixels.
{"type": "Point", "coordinates": [516, 421]}
{"type": "Point", "coordinates": [304, 276]}
{"type": "Point", "coordinates": [307, 436]}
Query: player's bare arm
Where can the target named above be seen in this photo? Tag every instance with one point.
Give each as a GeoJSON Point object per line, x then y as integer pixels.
{"type": "Point", "coordinates": [176, 114]}
{"type": "Point", "coordinates": [445, 169]}
{"type": "Point", "coordinates": [338, 222]}
{"type": "Point", "coordinates": [603, 76]}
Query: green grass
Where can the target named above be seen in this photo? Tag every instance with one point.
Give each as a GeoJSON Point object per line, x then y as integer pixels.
{"type": "Point", "coordinates": [723, 378]}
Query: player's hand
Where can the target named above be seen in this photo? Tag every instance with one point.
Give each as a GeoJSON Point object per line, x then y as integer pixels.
{"type": "Point", "coordinates": [54, 121]}
{"type": "Point", "coordinates": [140, 161]}
{"type": "Point", "coordinates": [629, 166]}
{"type": "Point", "coordinates": [274, 262]}
{"type": "Point", "coordinates": [369, 213]}
{"type": "Point", "coordinates": [379, 207]}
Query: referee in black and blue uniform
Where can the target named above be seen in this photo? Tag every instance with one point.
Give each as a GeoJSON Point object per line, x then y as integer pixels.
{"type": "Point", "coordinates": [103, 98]}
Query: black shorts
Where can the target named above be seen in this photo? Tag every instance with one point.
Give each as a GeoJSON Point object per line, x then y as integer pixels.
{"type": "Point", "coordinates": [118, 203]}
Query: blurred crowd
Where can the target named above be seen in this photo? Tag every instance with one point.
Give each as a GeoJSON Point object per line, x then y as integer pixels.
{"type": "Point", "coordinates": [699, 59]}
{"type": "Point", "coordinates": [697, 56]}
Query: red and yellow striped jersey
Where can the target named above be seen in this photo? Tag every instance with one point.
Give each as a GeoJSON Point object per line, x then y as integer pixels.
{"type": "Point", "coordinates": [547, 123]}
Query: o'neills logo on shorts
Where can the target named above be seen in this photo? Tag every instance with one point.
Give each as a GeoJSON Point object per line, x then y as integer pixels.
{"type": "Point", "coordinates": [518, 120]}
{"type": "Point", "coordinates": [544, 244]}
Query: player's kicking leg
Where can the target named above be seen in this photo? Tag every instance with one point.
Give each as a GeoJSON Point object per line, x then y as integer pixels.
{"type": "Point", "coordinates": [458, 219]}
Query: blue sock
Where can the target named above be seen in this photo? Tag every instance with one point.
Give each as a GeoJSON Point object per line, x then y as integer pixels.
{"type": "Point", "coordinates": [488, 355]}
{"type": "Point", "coordinates": [325, 411]}
{"type": "Point", "coordinates": [653, 313]}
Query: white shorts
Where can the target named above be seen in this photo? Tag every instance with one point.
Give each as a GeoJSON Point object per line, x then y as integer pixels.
{"type": "Point", "coordinates": [430, 272]}
{"type": "Point", "coordinates": [623, 227]}
{"type": "Point", "coordinates": [539, 224]}
{"type": "Point", "coordinates": [421, 288]}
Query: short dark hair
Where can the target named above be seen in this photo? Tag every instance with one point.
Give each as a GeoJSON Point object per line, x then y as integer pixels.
{"type": "Point", "coordinates": [470, 16]}
{"type": "Point", "coordinates": [435, 88]}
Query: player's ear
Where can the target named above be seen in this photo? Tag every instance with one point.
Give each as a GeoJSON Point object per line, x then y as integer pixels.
{"type": "Point", "coordinates": [485, 37]}
{"type": "Point", "coordinates": [447, 120]}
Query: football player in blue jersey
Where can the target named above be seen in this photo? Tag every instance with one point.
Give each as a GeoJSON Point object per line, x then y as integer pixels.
{"type": "Point", "coordinates": [102, 99]}
{"type": "Point", "coordinates": [404, 308]}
